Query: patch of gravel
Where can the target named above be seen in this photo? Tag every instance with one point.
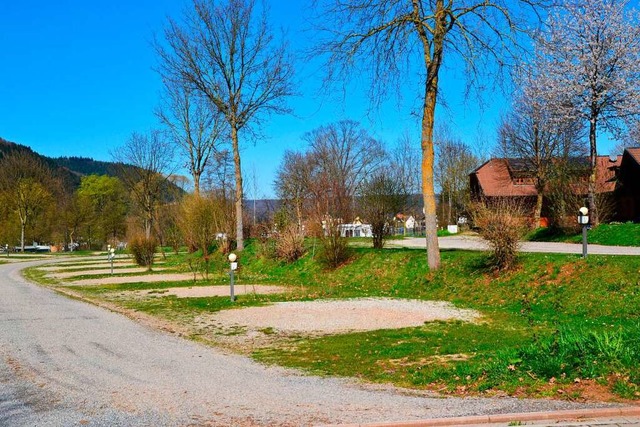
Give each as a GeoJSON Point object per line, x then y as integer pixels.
{"type": "Point", "coordinates": [147, 278]}
{"type": "Point", "coordinates": [338, 316]}
{"type": "Point", "coordinates": [212, 291]}
{"type": "Point", "coordinates": [76, 266]}
{"type": "Point", "coordinates": [98, 272]}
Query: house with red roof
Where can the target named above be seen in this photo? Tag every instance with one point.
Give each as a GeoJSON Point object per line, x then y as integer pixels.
{"type": "Point", "coordinates": [617, 176]}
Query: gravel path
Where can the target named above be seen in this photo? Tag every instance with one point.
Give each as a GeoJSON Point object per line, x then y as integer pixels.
{"type": "Point", "coordinates": [89, 265]}
{"type": "Point", "coordinates": [147, 278]}
{"type": "Point", "coordinates": [100, 271]}
{"type": "Point", "coordinates": [334, 316]}
{"type": "Point", "coordinates": [475, 243]}
{"type": "Point", "coordinates": [213, 291]}
{"type": "Point", "coordinates": [64, 362]}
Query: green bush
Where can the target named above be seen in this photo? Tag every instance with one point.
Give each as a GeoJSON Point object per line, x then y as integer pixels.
{"type": "Point", "coordinates": [143, 250]}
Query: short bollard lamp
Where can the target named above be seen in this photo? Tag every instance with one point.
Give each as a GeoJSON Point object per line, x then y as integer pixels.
{"type": "Point", "coordinates": [6, 248]}
{"type": "Point", "coordinates": [111, 254]}
{"type": "Point", "coordinates": [583, 220]}
{"type": "Point", "coordinates": [232, 268]}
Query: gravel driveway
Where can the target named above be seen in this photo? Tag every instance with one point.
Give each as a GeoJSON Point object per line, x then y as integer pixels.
{"type": "Point", "coordinates": [64, 362]}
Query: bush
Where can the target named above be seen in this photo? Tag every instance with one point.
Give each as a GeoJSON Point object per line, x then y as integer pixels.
{"type": "Point", "coordinates": [502, 224]}
{"type": "Point", "coordinates": [289, 244]}
{"type": "Point", "coordinates": [203, 220]}
{"type": "Point", "coordinates": [334, 250]}
{"type": "Point", "coordinates": [143, 250]}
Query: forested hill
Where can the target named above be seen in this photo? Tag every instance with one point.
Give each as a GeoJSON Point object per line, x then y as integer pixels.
{"type": "Point", "coordinates": [85, 165]}
{"type": "Point", "coordinates": [70, 169]}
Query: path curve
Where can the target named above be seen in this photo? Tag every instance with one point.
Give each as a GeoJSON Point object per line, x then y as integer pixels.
{"type": "Point", "coordinates": [65, 362]}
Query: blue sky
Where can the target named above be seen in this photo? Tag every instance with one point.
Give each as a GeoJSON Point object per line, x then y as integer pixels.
{"type": "Point", "coordinates": [77, 79]}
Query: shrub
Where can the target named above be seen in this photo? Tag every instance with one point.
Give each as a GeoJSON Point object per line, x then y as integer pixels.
{"type": "Point", "coordinates": [143, 250]}
{"type": "Point", "coordinates": [502, 224]}
{"type": "Point", "coordinates": [204, 221]}
{"type": "Point", "coordinates": [289, 244]}
{"type": "Point", "coordinates": [334, 250]}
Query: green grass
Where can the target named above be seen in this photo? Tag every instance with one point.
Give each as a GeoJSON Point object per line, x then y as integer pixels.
{"type": "Point", "coordinates": [556, 316]}
{"type": "Point", "coordinates": [398, 355]}
{"type": "Point", "coordinates": [627, 234]}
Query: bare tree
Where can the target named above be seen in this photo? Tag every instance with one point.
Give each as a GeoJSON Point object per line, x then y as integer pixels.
{"type": "Point", "coordinates": [344, 155]}
{"type": "Point", "coordinates": [455, 161]}
{"type": "Point", "coordinates": [591, 55]}
{"type": "Point", "coordinates": [630, 139]}
{"type": "Point", "coordinates": [193, 127]}
{"type": "Point", "coordinates": [386, 36]}
{"type": "Point", "coordinates": [27, 188]}
{"type": "Point", "coordinates": [531, 133]}
{"type": "Point", "coordinates": [382, 196]}
{"type": "Point", "coordinates": [143, 164]}
{"type": "Point", "coordinates": [228, 53]}
{"type": "Point", "coordinates": [406, 162]}
{"type": "Point", "coordinates": [293, 183]}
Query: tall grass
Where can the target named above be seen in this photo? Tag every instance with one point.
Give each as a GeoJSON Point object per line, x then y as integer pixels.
{"type": "Point", "coordinates": [586, 354]}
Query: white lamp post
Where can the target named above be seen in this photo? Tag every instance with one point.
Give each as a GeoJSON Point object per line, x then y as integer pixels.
{"type": "Point", "coordinates": [583, 219]}
{"type": "Point", "coordinates": [111, 254]}
{"type": "Point", "coordinates": [233, 267]}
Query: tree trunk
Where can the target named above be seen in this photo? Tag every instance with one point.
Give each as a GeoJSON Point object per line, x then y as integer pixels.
{"type": "Point", "coordinates": [148, 225]}
{"type": "Point", "coordinates": [238, 201]}
{"type": "Point", "coordinates": [196, 183]}
{"type": "Point", "coordinates": [537, 213]}
{"type": "Point", "coordinates": [432, 65]}
{"type": "Point", "coordinates": [428, 191]}
{"type": "Point", "coordinates": [450, 207]}
{"type": "Point", "coordinates": [22, 227]}
{"type": "Point", "coordinates": [593, 157]}
{"type": "Point", "coordinates": [299, 215]}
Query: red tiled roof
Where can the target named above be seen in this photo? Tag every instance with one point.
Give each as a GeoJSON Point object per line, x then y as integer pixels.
{"type": "Point", "coordinates": [495, 179]}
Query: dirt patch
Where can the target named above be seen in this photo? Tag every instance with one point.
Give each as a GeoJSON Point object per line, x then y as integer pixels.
{"type": "Point", "coordinates": [339, 316]}
{"type": "Point", "coordinates": [213, 291]}
{"type": "Point", "coordinates": [148, 278]}
{"type": "Point", "coordinates": [98, 272]}
{"type": "Point", "coordinates": [92, 265]}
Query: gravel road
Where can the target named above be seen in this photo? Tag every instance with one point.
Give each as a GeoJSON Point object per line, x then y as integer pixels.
{"type": "Point", "coordinates": [476, 243]}
{"type": "Point", "coordinates": [64, 363]}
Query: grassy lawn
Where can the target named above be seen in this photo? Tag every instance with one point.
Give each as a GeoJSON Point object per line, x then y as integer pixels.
{"type": "Point", "coordinates": [627, 234]}
{"type": "Point", "coordinates": [558, 325]}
